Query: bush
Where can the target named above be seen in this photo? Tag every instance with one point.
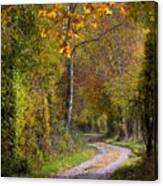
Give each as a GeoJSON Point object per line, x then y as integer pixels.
{"type": "Point", "coordinates": [21, 166]}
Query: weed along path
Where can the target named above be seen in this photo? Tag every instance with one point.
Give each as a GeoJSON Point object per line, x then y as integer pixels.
{"type": "Point", "coordinates": [101, 166]}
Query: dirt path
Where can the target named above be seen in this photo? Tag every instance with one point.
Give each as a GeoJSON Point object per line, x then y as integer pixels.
{"type": "Point", "coordinates": [101, 166]}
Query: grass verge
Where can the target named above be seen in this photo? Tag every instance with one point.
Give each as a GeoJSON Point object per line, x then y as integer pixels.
{"type": "Point", "coordinates": [137, 166]}
{"type": "Point", "coordinates": [65, 161]}
{"type": "Point", "coordinates": [137, 148]}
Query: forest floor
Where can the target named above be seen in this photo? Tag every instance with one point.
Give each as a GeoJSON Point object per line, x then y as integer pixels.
{"type": "Point", "coordinates": [101, 166]}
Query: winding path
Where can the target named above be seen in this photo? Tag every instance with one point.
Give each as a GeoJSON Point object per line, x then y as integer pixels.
{"type": "Point", "coordinates": [101, 166]}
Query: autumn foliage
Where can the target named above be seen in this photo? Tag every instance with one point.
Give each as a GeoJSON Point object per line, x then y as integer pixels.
{"type": "Point", "coordinates": [69, 69]}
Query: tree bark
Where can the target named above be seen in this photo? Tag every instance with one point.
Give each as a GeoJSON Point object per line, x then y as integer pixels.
{"type": "Point", "coordinates": [70, 90]}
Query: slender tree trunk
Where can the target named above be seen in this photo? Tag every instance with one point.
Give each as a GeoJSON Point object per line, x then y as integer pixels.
{"type": "Point", "coordinates": [70, 90]}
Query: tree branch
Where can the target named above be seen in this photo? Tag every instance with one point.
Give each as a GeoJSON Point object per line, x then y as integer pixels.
{"type": "Point", "coordinates": [72, 8]}
{"type": "Point", "coordinates": [96, 38]}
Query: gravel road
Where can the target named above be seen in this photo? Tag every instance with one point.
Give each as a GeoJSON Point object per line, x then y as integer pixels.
{"type": "Point", "coordinates": [101, 166]}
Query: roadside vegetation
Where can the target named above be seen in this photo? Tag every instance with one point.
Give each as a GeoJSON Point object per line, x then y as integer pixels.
{"type": "Point", "coordinates": [63, 162]}
{"type": "Point", "coordinates": [138, 166]}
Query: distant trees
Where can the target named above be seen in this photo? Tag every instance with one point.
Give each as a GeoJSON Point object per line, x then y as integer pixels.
{"type": "Point", "coordinates": [106, 92]}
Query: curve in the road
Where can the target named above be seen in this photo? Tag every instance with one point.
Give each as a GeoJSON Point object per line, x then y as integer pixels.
{"type": "Point", "coordinates": [101, 166]}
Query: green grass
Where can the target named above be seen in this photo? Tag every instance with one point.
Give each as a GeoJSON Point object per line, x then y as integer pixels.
{"type": "Point", "coordinates": [137, 147]}
{"type": "Point", "coordinates": [137, 166]}
{"type": "Point", "coordinates": [65, 161]}
{"type": "Point", "coordinates": [125, 171]}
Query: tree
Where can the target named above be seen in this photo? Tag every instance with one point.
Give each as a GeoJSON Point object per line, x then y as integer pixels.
{"type": "Point", "coordinates": [15, 39]}
{"type": "Point", "coordinates": [29, 89]}
{"type": "Point", "coordinates": [148, 92]}
{"type": "Point", "coordinates": [74, 22]}
{"type": "Point", "coordinates": [147, 87]}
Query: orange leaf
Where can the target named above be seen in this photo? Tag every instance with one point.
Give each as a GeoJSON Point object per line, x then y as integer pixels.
{"type": "Point", "coordinates": [51, 14]}
{"type": "Point", "coordinates": [42, 13]}
{"type": "Point", "coordinates": [65, 49]}
{"type": "Point", "coordinates": [123, 10]}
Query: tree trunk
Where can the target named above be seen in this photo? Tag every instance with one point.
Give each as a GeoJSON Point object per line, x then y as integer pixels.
{"type": "Point", "coordinates": [149, 146]}
{"type": "Point", "coordinates": [149, 128]}
{"type": "Point", "coordinates": [69, 101]}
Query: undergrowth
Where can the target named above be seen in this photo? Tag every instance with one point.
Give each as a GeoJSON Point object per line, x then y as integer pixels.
{"type": "Point", "coordinates": [138, 166]}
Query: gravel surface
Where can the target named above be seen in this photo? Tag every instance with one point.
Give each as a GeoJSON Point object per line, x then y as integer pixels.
{"type": "Point", "coordinates": [84, 170]}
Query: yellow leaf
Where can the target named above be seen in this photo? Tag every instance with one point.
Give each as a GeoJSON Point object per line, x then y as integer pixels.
{"type": "Point", "coordinates": [57, 7]}
{"type": "Point", "coordinates": [43, 33]}
{"type": "Point", "coordinates": [103, 10]}
{"type": "Point", "coordinates": [80, 25]}
{"type": "Point", "coordinates": [73, 34]}
{"type": "Point", "coordinates": [94, 25]}
{"type": "Point", "coordinates": [51, 14]}
{"type": "Point", "coordinates": [87, 10]}
{"type": "Point", "coordinates": [42, 13]}
{"type": "Point", "coordinates": [109, 12]}
{"type": "Point", "coordinates": [61, 50]}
